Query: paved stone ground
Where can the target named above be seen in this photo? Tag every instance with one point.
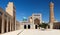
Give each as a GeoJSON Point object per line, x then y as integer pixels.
{"type": "Point", "coordinates": [40, 32]}
{"type": "Point", "coordinates": [34, 32]}
{"type": "Point", "coordinates": [13, 32]}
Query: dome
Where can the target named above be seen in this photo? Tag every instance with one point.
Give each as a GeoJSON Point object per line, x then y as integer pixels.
{"type": "Point", "coordinates": [24, 19]}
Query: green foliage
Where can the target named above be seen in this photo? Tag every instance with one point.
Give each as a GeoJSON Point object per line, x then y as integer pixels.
{"type": "Point", "coordinates": [43, 25]}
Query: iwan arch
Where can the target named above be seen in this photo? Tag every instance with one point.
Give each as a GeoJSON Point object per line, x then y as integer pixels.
{"type": "Point", "coordinates": [33, 22]}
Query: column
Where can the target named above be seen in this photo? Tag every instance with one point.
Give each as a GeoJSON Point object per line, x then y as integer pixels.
{"type": "Point", "coordinates": [46, 27]}
{"type": "Point", "coordinates": [15, 24]}
{"type": "Point", "coordinates": [51, 25]}
{"type": "Point", "coordinates": [10, 24]}
{"type": "Point", "coordinates": [7, 25]}
{"type": "Point", "coordinates": [2, 28]}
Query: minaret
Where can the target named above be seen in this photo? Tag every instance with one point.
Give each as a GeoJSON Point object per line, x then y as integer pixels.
{"type": "Point", "coordinates": [51, 13]}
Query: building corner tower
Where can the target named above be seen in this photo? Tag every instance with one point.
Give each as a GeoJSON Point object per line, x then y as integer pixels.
{"type": "Point", "coordinates": [11, 10]}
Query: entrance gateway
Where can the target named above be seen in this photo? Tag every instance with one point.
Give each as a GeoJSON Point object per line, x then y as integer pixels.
{"type": "Point", "coordinates": [27, 26]}
{"type": "Point", "coordinates": [35, 26]}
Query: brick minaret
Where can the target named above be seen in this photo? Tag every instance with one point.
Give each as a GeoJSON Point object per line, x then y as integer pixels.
{"type": "Point", "coordinates": [51, 13]}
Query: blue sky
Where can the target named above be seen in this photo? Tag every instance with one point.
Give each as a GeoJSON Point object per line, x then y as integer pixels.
{"type": "Point", "coordinates": [25, 8]}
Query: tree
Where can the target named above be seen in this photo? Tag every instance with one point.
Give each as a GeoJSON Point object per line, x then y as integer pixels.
{"type": "Point", "coordinates": [44, 25]}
